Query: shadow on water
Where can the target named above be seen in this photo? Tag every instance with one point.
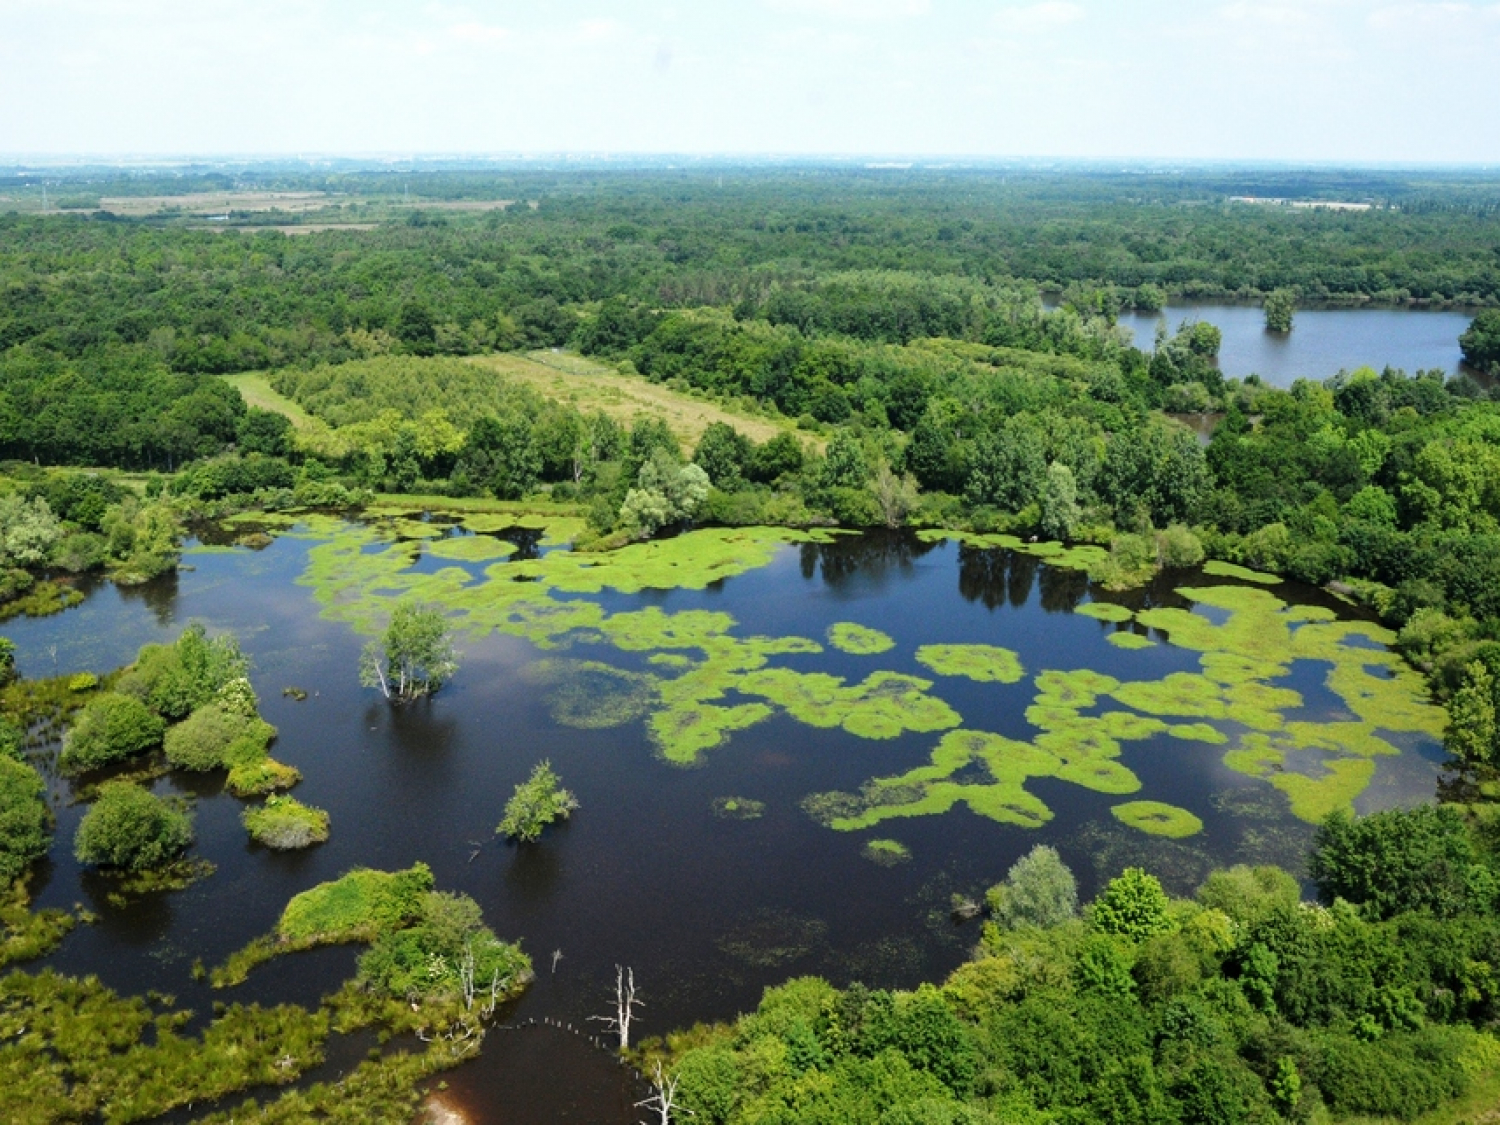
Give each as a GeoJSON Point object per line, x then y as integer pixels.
{"type": "Point", "coordinates": [708, 910]}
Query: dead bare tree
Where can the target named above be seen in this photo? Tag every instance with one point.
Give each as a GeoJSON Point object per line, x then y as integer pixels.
{"type": "Point", "coordinates": [663, 1101]}
{"type": "Point", "coordinates": [625, 1006]}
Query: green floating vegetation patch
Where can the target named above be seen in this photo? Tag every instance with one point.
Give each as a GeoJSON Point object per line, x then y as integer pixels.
{"type": "Point", "coordinates": [859, 640]}
{"type": "Point", "coordinates": [738, 808]}
{"type": "Point", "coordinates": [590, 695]}
{"type": "Point", "coordinates": [688, 562]}
{"type": "Point", "coordinates": [1314, 799]}
{"type": "Point", "coordinates": [413, 529]}
{"type": "Point", "coordinates": [1074, 690]}
{"type": "Point", "coordinates": [684, 733]}
{"type": "Point", "coordinates": [985, 663]}
{"type": "Point", "coordinates": [887, 853]}
{"type": "Point", "coordinates": [930, 790]}
{"type": "Point", "coordinates": [1158, 819]}
{"type": "Point", "coordinates": [1105, 611]}
{"type": "Point", "coordinates": [1220, 569]}
{"type": "Point", "coordinates": [650, 629]}
{"type": "Point", "coordinates": [1245, 637]}
{"type": "Point", "coordinates": [883, 705]}
{"type": "Point", "coordinates": [470, 548]}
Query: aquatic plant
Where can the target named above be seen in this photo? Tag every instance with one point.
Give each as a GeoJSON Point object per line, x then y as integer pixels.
{"type": "Point", "coordinates": [1158, 819]}
{"type": "Point", "coordinates": [1105, 611]}
{"type": "Point", "coordinates": [985, 663]}
{"type": "Point", "coordinates": [883, 705]}
{"type": "Point", "coordinates": [1218, 569]}
{"type": "Point", "coordinates": [685, 731]}
{"type": "Point", "coordinates": [537, 802]}
{"type": "Point", "coordinates": [887, 853]}
{"type": "Point", "coordinates": [858, 640]}
{"type": "Point", "coordinates": [738, 808]}
{"type": "Point", "coordinates": [469, 548]}
{"type": "Point", "coordinates": [285, 824]}
{"type": "Point", "coordinates": [591, 695]}
{"type": "Point", "coordinates": [25, 933]}
{"type": "Point", "coordinates": [1130, 641]}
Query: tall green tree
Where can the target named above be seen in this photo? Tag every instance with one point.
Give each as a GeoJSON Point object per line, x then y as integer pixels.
{"type": "Point", "coordinates": [1279, 306]}
{"type": "Point", "coordinates": [413, 657]}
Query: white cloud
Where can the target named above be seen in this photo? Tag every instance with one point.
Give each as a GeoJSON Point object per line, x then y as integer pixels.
{"type": "Point", "coordinates": [854, 9]}
{"type": "Point", "coordinates": [474, 32]}
{"type": "Point", "coordinates": [1038, 17]}
{"type": "Point", "coordinates": [1271, 15]}
{"type": "Point", "coordinates": [1433, 16]}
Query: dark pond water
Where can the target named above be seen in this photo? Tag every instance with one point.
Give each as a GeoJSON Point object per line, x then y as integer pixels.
{"type": "Point", "coordinates": [1321, 342]}
{"type": "Point", "coordinates": [707, 911]}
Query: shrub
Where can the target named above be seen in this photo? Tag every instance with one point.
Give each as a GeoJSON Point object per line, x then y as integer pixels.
{"type": "Point", "coordinates": [110, 728]}
{"type": "Point", "coordinates": [284, 823]}
{"type": "Point", "coordinates": [1400, 860]}
{"type": "Point", "coordinates": [433, 958]}
{"type": "Point", "coordinates": [12, 741]}
{"type": "Point", "coordinates": [1133, 906]}
{"type": "Point", "coordinates": [177, 679]}
{"type": "Point", "coordinates": [1039, 890]}
{"type": "Point", "coordinates": [24, 819]}
{"type": "Point", "coordinates": [132, 828]}
{"type": "Point", "coordinates": [536, 803]}
{"type": "Point", "coordinates": [203, 740]}
{"type": "Point", "coordinates": [356, 906]}
{"type": "Point", "coordinates": [1249, 895]}
{"type": "Point", "coordinates": [1177, 546]}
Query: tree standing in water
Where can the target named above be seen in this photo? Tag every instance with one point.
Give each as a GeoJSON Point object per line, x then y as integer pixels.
{"type": "Point", "coordinates": [1279, 307]}
{"type": "Point", "coordinates": [414, 656]}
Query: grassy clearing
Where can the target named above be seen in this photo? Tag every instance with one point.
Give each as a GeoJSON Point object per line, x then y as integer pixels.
{"type": "Point", "coordinates": [256, 390]}
{"type": "Point", "coordinates": [592, 386]}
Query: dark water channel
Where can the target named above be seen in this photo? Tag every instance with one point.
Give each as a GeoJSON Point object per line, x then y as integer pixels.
{"type": "Point", "coordinates": [707, 911]}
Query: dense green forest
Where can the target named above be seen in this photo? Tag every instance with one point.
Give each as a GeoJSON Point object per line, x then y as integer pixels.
{"type": "Point", "coordinates": [1243, 1004]}
{"type": "Point", "coordinates": [892, 327]}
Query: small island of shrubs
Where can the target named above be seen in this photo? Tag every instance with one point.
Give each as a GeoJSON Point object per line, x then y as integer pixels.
{"type": "Point", "coordinates": [285, 823]}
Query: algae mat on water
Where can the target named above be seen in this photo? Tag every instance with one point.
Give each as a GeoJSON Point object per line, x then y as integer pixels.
{"type": "Point", "coordinates": [709, 680]}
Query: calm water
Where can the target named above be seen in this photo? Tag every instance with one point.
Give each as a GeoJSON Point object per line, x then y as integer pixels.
{"type": "Point", "coordinates": [1321, 342]}
{"type": "Point", "coordinates": [707, 911]}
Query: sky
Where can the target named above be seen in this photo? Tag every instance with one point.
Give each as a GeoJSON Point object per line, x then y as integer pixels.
{"type": "Point", "coordinates": [1377, 81]}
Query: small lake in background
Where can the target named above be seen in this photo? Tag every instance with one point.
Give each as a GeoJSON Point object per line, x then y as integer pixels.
{"type": "Point", "coordinates": [1321, 342]}
{"type": "Point", "coordinates": [708, 911]}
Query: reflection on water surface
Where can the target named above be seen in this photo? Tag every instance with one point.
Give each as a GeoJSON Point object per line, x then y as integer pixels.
{"type": "Point", "coordinates": [709, 909]}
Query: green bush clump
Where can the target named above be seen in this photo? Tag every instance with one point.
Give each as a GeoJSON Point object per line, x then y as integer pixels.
{"type": "Point", "coordinates": [284, 823]}
{"type": "Point", "coordinates": [25, 820]}
{"type": "Point", "coordinates": [1039, 891]}
{"type": "Point", "coordinates": [213, 737]}
{"type": "Point", "coordinates": [1132, 906]}
{"type": "Point", "coordinates": [176, 679]}
{"type": "Point", "coordinates": [12, 741]}
{"type": "Point", "coordinates": [131, 828]}
{"type": "Point", "coordinates": [110, 728]}
{"type": "Point", "coordinates": [446, 950]}
{"type": "Point", "coordinates": [355, 907]}
{"type": "Point", "coordinates": [536, 803]}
